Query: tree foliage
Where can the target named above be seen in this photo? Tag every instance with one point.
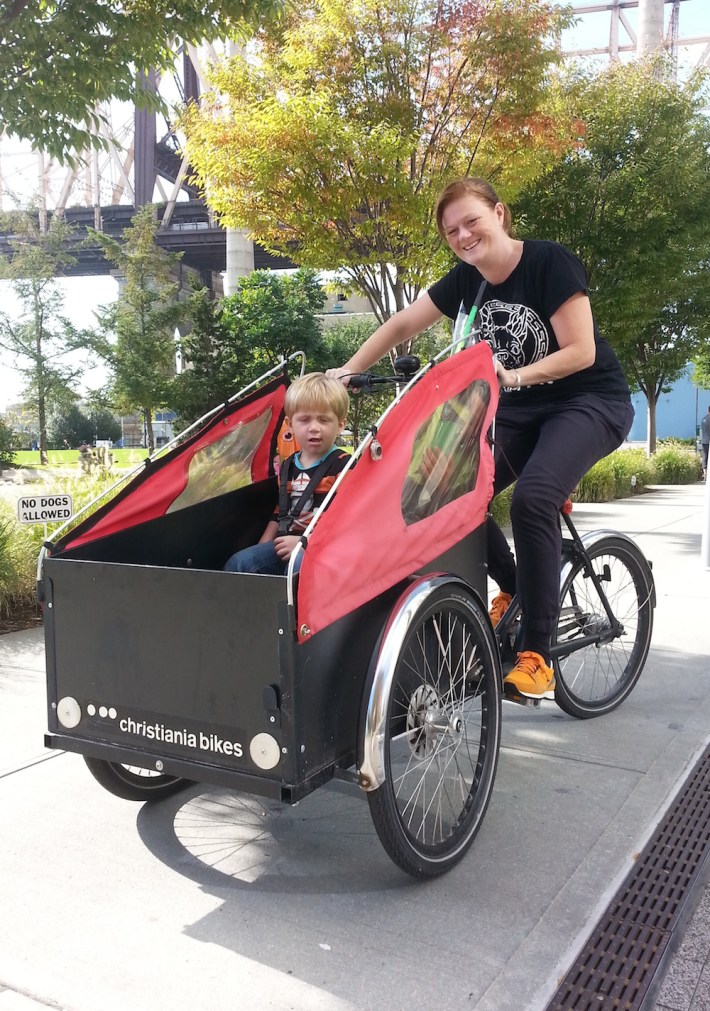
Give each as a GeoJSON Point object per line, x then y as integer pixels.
{"type": "Point", "coordinates": [38, 341]}
{"type": "Point", "coordinates": [71, 427]}
{"type": "Point", "coordinates": [137, 338]}
{"type": "Point", "coordinates": [345, 336]}
{"type": "Point", "coordinates": [60, 58]}
{"type": "Point", "coordinates": [331, 136]}
{"type": "Point", "coordinates": [234, 341]}
{"type": "Point", "coordinates": [632, 202]}
{"type": "Point", "coordinates": [701, 366]}
{"type": "Point", "coordinates": [6, 445]}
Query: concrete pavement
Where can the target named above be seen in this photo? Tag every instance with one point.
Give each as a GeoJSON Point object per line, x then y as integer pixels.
{"type": "Point", "coordinates": [214, 900]}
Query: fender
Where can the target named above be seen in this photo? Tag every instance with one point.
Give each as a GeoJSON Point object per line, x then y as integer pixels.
{"type": "Point", "coordinates": [591, 539]}
{"type": "Point", "coordinates": [371, 771]}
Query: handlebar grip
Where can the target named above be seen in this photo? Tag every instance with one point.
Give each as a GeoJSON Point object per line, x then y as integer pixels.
{"type": "Point", "coordinates": [365, 381]}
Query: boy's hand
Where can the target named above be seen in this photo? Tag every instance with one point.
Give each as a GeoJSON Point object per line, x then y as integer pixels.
{"type": "Point", "coordinates": [284, 546]}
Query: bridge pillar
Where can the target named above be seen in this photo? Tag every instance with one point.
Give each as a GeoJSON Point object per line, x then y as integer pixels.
{"type": "Point", "coordinates": [145, 136]}
{"type": "Point", "coordinates": [650, 27]}
{"type": "Point", "coordinates": [240, 259]}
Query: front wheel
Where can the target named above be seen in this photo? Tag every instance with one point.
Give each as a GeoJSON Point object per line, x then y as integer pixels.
{"type": "Point", "coordinates": [133, 783]}
{"type": "Point", "coordinates": [596, 678]}
{"type": "Point", "coordinates": [441, 733]}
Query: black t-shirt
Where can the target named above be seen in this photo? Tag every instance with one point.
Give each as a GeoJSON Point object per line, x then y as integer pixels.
{"type": "Point", "coordinates": [514, 318]}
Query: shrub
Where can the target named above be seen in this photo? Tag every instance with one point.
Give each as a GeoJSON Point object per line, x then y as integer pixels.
{"type": "Point", "coordinates": [675, 464]}
{"type": "Point", "coordinates": [598, 484]}
{"type": "Point", "coordinates": [20, 545]}
{"type": "Point", "coordinates": [689, 442]}
{"type": "Point", "coordinates": [500, 507]}
{"type": "Point", "coordinates": [18, 560]}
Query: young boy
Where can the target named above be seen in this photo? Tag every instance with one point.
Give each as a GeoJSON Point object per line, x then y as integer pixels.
{"type": "Point", "coordinates": [316, 409]}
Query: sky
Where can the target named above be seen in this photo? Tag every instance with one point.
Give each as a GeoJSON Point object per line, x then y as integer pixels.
{"type": "Point", "coordinates": [84, 295]}
{"type": "Point", "coordinates": [592, 30]}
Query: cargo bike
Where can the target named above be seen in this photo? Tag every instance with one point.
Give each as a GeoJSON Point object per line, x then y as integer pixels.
{"type": "Point", "coordinates": [375, 663]}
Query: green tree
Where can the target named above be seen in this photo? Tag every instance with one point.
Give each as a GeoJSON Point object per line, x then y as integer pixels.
{"type": "Point", "coordinates": [104, 424]}
{"type": "Point", "coordinates": [345, 336]}
{"type": "Point", "coordinates": [234, 341]}
{"type": "Point", "coordinates": [37, 342]}
{"type": "Point", "coordinates": [632, 202]}
{"type": "Point", "coordinates": [701, 369]}
{"type": "Point", "coordinates": [70, 428]}
{"type": "Point", "coordinates": [60, 58]}
{"type": "Point", "coordinates": [6, 445]}
{"type": "Point", "coordinates": [137, 338]}
{"type": "Point", "coordinates": [330, 138]}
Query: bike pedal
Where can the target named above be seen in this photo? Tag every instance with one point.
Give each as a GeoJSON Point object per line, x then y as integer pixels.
{"type": "Point", "coordinates": [510, 694]}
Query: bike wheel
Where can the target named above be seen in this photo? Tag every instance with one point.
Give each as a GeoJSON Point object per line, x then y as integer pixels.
{"type": "Point", "coordinates": [130, 782]}
{"type": "Point", "coordinates": [596, 678]}
{"type": "Point", "coordinates": [442, 735]}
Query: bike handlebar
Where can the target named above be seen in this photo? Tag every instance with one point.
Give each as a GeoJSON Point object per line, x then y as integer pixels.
{"type": "Point", "coordinates": [366, 381]}
{"type": "Point", "coordinates": [404, 368]}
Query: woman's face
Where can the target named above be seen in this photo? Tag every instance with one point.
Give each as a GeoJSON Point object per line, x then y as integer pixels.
{"type": "Point", "coordinates": [474, 229]}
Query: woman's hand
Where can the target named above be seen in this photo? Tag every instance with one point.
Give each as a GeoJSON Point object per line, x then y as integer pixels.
{"type": "Point", "coordinates": [343, 374]}
{"type": "Point", "coordinates": [508, 379]}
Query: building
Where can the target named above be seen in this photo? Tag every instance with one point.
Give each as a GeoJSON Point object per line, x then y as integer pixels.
{"type": "Point", "coordinates": [678, 412]}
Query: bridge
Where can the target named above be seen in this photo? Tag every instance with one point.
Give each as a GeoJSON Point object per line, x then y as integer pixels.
{"type": "Point", "coordinates": [190, 229]}
{"type": "Point", "coordinates": [139, 166]}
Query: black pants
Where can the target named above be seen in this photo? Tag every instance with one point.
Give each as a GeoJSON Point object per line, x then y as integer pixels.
{"type": "Point", "coordinates": [546, 449]}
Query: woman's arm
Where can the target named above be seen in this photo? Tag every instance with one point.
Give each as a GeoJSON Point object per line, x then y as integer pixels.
{"type": "Point", "coordinates": [401, 327]}
{"type": "Point", "coordinates": [574, 329]}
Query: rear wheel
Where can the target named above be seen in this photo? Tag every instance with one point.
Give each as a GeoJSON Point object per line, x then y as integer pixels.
{"type": "Point", "coordinates": [596, 678]}
{"type": "Point", "coordinates": [130, 782]}
{"type": "Point", "coordinates": [442, 734]}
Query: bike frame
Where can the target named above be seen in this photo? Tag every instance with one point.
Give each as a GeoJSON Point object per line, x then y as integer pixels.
{"type": "Point", "coordinates": [574, 549]}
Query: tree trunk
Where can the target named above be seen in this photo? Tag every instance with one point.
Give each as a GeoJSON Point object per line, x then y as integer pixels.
{"type": "Point", "coordinates": [651, 417]}
{"type": "Point", "coordinates": [149, 437]}
{"type": "Point", "coordinates": [41, 387]}
{"type": "Point", "coordinates": [42, 419]}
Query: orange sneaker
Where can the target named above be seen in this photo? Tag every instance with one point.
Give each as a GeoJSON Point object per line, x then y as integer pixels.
{"type": "Point", "coordinates": [499, 605]}
{"type": "Point", "coordinates": [531, 677]}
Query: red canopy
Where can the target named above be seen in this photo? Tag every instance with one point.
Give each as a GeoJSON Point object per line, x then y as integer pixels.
{"type": "Point", "coordinates": [363, 544]}
{"type": "Point", "coordinates": [233, 449]}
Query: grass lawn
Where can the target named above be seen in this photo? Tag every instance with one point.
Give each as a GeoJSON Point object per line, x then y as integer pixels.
{"type": "Point", "coordinates": [70, 457]}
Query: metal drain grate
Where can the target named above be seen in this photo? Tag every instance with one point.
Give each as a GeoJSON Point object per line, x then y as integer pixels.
{"type": "Point", "coordinates": [617, 965]}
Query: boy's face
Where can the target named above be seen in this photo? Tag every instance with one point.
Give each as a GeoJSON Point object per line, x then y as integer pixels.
{"type": "Point", "coordinates": [315, 431]}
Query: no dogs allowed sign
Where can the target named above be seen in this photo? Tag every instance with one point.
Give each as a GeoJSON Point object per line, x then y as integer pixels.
{"type": "Point", "coordinates": [44, 508]}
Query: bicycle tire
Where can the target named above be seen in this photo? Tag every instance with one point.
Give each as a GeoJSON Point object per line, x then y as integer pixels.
{"type": "Point", "coordinates": [130, 782]}
{"type": "Point", "coordinates": [597, 678]}
{"type": "Point", "coordinates": [442, 735]}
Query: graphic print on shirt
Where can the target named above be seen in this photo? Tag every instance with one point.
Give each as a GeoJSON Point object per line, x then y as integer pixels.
{"type": "Point", "coordinates": [299, 483]}
{"type": "Point", "coordinates": [515, 333]}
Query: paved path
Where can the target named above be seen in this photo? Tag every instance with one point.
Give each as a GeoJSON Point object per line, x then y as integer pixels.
{"type": "Point", "coordinates": [211, 900]}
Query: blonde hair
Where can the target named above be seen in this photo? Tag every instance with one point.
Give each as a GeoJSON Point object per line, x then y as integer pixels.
{"type": "Point", "coordinates": [317, 392]}
{"type": "Point", "coordinates": [474, 187]}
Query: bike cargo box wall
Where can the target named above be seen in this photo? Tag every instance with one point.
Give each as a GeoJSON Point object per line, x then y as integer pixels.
{"type": "Point", "coordinates": [187, 667]}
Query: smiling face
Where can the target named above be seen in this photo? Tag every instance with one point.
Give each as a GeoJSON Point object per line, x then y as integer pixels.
{"type": "Point", "coordinates": [475, 230]}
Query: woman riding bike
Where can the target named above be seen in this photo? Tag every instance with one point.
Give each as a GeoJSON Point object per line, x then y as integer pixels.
{"type": "Point", "coordinates": [565, 402]}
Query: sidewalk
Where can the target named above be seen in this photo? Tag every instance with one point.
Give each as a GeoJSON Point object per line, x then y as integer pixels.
{"type": "Point", "coordinates": [214, 899]}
